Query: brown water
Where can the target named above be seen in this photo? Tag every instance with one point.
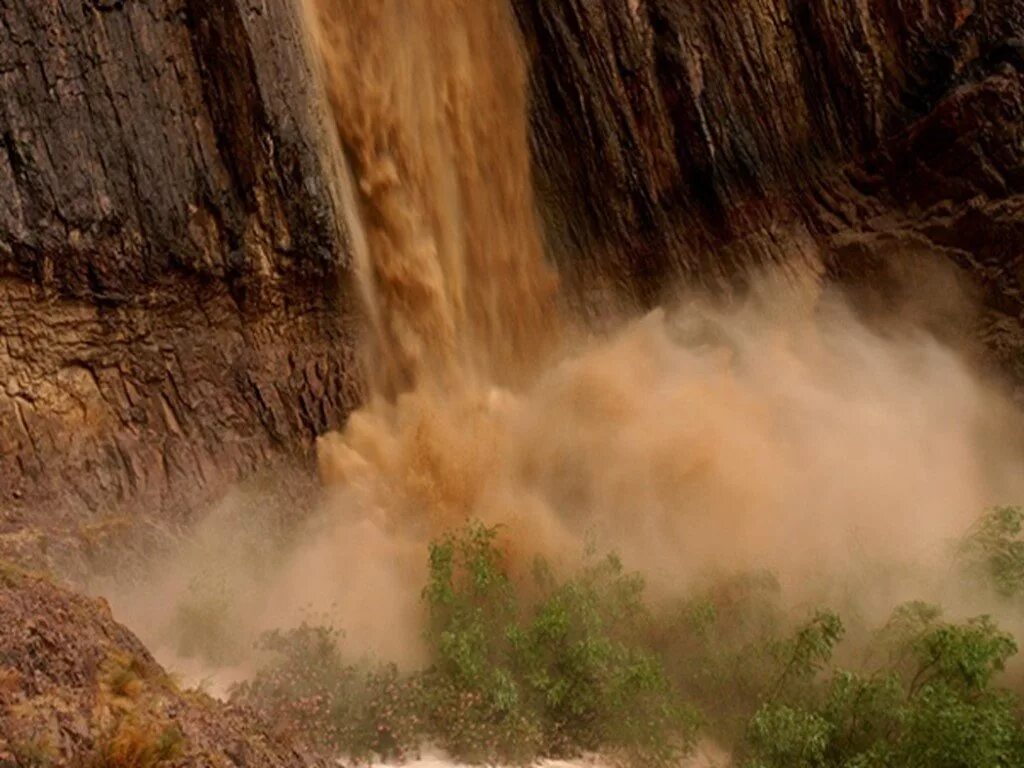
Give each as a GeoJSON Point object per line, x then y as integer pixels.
{"type": "Point", "coordinates": [429, 97]}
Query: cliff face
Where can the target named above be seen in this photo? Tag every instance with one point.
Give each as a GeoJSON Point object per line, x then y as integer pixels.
{"type": "Point", "coordinates": [173, 311]}
{"type": "Point", "coordinates": [173, 263]}
{"type": "Point", "coordinates": [700, 139]}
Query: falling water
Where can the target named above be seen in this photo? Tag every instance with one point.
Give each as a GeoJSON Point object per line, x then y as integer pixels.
{"type": "Point", "coordinates": [685, 440]}
{"type": "Point", "coordinates": [429, 97]}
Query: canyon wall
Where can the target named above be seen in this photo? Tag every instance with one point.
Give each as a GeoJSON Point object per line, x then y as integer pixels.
{"type": "Point", "coordinates": [878, 142]}
{"type": "Point", "coordinates": [173, 303]}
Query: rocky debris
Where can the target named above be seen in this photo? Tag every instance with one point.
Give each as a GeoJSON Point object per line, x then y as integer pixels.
{"type": "Point", "coordinates": [78, 689]}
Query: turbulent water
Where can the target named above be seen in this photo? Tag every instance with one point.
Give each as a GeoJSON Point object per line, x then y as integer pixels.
{"type": "Point", "coordinates": [429, 97]}
{"type": "Point", "coordinates": [781, 434]}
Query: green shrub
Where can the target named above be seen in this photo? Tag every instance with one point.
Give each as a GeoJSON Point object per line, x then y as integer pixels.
{"type": "Point", "coordinates": [802, 656]}
{"type": "Point", "coordinates": [473, 703]}
{"type": "Point", "coordinates": [587, 676]}
{"type": "Point", "coordinates": [993, 550]}
{"type": "Point", "coordinates": [933, 706]}
{"type": "Point", "coordinates": [566, 675]}
{"type": "Point", "coordinates": [732, 648]}
{"type": "Point", "coordinates": [508, 683]}
{"type": "Point", "coordinates": [564, 666]}
{"type": "Point", "coordinates": [785, 736]}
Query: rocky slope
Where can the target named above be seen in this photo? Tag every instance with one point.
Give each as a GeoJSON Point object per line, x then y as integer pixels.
{"type": "Point", "coordinates": [78, 689]}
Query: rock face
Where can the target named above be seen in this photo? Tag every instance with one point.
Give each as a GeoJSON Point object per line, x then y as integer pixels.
{"type": "Point", "coordinates": [76, 688]}
{"type": "Point", "coordinates": [173, 308]}
{"type": "Point", "coordinates": [699, 140]}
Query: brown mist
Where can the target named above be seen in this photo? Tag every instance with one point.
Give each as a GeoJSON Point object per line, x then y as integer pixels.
{"type": "Point", "coordinates": [781, 434]}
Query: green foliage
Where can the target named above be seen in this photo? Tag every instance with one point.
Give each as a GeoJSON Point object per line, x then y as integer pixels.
{"type": "Point", "coordinates": [474, 704]}
{"type": "Point", "coordinates": [963, 657]}
{"type": "Point", "coordinates": [933, 706]}
{"type": "Point", "coordinates": [860, 711]}
{"type": "Point", "coordinates": [472, 606]}
{"type": "Point", "coordinates": [589, 678]}
{"type": "Point", "coordinates": [563, 666]}
{"type": "Point", "coordinates": [732, 648]}
{"type": "Point", "coordinates": [565, 676]}
{"type": "Point", "coordinates": [993, 550]}
{"type": "Point", "coordinates": [784, 736]}
{"type": "Point", "coordinates": [807, 652]}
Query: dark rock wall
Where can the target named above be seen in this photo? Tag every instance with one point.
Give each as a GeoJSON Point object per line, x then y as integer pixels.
{"type": "Point", "coordinates": [696, 139]}
{"type": "Point", "coordinates": [173, 308]}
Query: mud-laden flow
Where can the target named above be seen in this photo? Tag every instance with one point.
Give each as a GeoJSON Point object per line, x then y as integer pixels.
{"type": "Point", "coordinates": [429, 98]}
{"type": "Point", "coordinates": [782, 434]}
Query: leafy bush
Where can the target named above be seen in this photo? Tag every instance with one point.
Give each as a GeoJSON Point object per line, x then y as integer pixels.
{"type": "Point", "coordinates": [309, 689]}
{"type": "Point", "coordinates": [587, 676]}
{"type": "Point", "coordinates": [474, 703]}
{"type": "Point", "coordinates": [565, 676]}
{"type": "Point", "coordinates": [790, 737]}
{"type": "Point", "coordinates": [563, 666]}
{"type": "Point", "coordinates": [732, 648]}
{"type": "Point", "coordinates": [993, 550]}
{"type": "Point", "coordinates": [933, 705]}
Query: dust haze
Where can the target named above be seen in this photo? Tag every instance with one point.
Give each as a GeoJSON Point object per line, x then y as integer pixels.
{"type": "Point", "coordinates": [693, 442]}
{"type": "Point", "coordinates": [778, 433]}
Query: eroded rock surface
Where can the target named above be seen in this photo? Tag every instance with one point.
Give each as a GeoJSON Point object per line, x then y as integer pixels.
{"type": "Point", "coordinates": [173, 309]}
